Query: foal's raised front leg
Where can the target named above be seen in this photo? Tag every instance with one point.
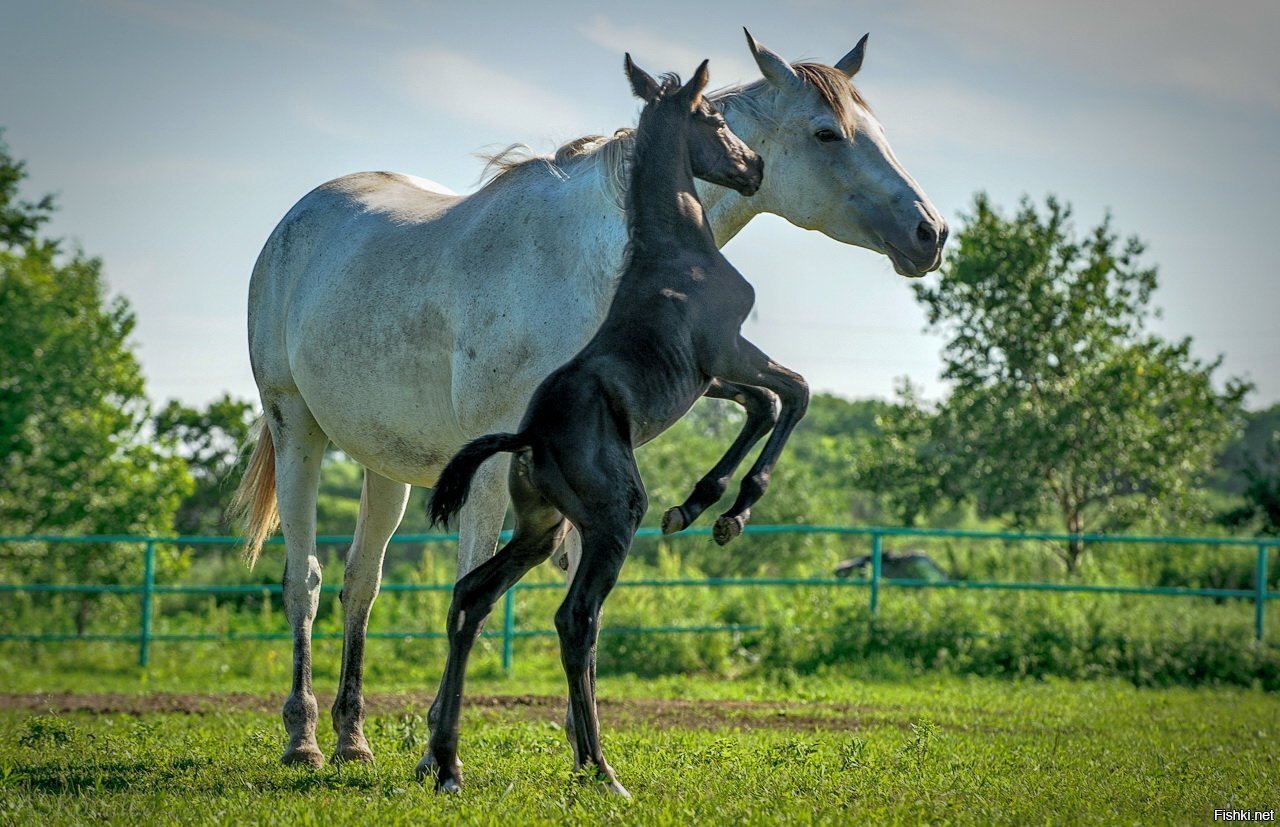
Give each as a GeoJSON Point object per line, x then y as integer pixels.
{"type": "Point", "coordinates": [750, 366]}
{"type": "Point", "coordinates": [762, 413]}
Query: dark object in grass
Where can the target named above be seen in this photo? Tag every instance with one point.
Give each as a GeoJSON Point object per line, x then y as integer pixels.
{"type": "Point", "coordinates": [906, 565]}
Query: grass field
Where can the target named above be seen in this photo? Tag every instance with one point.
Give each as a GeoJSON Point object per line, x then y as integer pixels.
{"type": "Point", "coordinates": [813, 749]}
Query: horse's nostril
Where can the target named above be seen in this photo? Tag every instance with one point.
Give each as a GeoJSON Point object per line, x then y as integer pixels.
{"type": "Point", "coordinates": [926, 235]}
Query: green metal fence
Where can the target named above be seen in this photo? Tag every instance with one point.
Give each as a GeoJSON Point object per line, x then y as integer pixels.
{"type": "Point", "coordinates": [148, 589]}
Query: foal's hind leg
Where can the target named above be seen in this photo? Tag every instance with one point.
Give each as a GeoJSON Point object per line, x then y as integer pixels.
{"type": "Point", "coordinates": [578, 624]}
{"type": "Point", "coordinates": [608, 516]}
{"type": "Point", "coordinates": [762, 412]}
{"type": "Point", "coordinates": [539, 530]}
{"type": "Point", "coordinates": [299, 450]}
{"type": "Point", "coordinates": [382, 503]}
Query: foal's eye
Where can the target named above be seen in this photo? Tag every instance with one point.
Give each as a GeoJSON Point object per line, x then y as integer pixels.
{"type": "Point", "coordinates": [827, 135]}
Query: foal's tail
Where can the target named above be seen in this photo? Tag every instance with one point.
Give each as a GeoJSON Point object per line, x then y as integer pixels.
{"type": "Point", "coordinates": [454, 486]}
{"type": "Point", "coordinates": [254, 502]}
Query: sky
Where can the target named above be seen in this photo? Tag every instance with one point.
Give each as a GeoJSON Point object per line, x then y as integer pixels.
{"type": "Point", "coordinates": [175, 134]}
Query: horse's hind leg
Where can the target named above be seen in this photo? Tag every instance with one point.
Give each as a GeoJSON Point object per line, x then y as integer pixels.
{"type": "Point", "coordinates": [382, 504]}
{"type": "Point", "coordinates": [539, 529]}
{"type": "Point", "coordinates": [300, 448]}
{"type": "Point", "coordinates": [762, 412]}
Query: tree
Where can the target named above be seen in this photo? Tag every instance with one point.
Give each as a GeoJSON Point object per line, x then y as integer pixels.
{"type": "Point", "coordinates": [209, 440]}
{"type": "Point", "coordinates": [1251, 470]}
{"type": "Point", "coordinates": [1063, 402]}
{"type": "Point", "coordinates": [19, 220]}
{"type": "Point", "coordinates": [75, 453]}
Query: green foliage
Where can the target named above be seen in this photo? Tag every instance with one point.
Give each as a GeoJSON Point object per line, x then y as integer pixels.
{"type": "Point", "coordinates": [1251, 469]}
{"type": "Point", "coordinates": [1062, 402]}
{"type": "Point", "coordinates": [210, 441]}
{"type": "Point", "coordinates": [19, 220]}
{"type": "Point", "coordinates": [75, 454]}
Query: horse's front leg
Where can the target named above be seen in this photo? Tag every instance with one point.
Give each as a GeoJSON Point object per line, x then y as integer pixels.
{"type": "Point", "coordinates": [762, 413]}
{"type": "Point", "coordinates": [382, 503]}
{"type": "Point", "coordinates": [748, 365]}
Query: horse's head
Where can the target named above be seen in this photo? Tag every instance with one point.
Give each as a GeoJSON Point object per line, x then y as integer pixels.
{"type": "Point", "coordinates": [831, 168]}
{"type": "Point", "coordinates": [717, 155]}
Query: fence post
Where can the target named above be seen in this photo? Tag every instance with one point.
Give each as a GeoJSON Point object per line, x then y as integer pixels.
{"type": "Point", "coordinates": [875, 574]}
{"type": "Point", "coordinates": [509, 628]}
{"type": "Point", "coordinates": [1260, 593]}
{"type": "Point", "coordinates": [148, 584]}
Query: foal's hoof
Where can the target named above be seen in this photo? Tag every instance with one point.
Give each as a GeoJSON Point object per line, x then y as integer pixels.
{"type": "Point", "coordinates": [604, 784]}
{"type": "Point", "coordinates": [445, 782]}
{"type": "Point", "coordinates": [727, 528]}
{"type": "Point", "coordinates": [673, 521]}
{"type": "Point", "coordinates": [307, 755]}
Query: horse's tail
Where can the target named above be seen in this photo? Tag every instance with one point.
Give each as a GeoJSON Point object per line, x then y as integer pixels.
{"type": "Point", "coordinates": [254, 502]}
{"type": "Point", "coordinates": [454, 486]}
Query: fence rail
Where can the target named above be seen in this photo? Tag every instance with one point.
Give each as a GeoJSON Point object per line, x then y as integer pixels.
{"type": "Point", "coordinates": [148, 589]}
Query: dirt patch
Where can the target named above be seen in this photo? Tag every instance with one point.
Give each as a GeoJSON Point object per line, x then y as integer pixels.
{"type": "Point", "coordinates": [661, 713]}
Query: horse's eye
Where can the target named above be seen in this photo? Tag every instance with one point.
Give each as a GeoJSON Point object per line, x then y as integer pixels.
{"type": "Point", "coordinates": [827, 135]}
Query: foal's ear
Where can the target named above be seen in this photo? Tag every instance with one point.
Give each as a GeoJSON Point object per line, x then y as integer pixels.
{"type": "Point", "coordinates": [645, 87]}
{"type": "Point", "coordinates": [691, 92]}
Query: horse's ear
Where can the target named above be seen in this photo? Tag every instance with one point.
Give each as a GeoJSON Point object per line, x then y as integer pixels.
{"type": "Point", "coordinates": [852, 62]}
{"type": "Point", "coordinates": [775, 70]}
{"type": "Point", "coordinates": [645, 87]}
{"type": "Point", "coordinates": [691, 93]}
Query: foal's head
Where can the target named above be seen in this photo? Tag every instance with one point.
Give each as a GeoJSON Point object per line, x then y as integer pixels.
{"type": "Point", "coordinates": [717, 155]}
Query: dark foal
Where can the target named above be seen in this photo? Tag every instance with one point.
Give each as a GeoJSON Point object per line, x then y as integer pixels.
{"type": "Point", "coordinates": [671, 335]}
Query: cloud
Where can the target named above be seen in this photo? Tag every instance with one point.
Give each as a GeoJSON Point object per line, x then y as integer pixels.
{"type": "Point", "coordinates": [318, 119]}
{"type": "Point", "coordinates": [660, 52]}
{"type": "Point", "coordinates": [1215, 53]}
{"type": "Point", "coordinates": [210, 18]}
{"type": "Point", "coordinates": [474, 91]}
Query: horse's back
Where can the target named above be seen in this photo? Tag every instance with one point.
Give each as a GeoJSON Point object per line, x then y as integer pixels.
{"type": "Point", "coordinates": [332, 286]}
{"type": "Point", "coordinates": [409, 320]}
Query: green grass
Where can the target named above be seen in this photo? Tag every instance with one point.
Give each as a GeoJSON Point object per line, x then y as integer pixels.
{"type": "Point", "coordinates": [824, 748]}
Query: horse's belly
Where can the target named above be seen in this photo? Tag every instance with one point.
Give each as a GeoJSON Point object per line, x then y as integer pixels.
{"type": "Point", "coordinates": [396, 422]}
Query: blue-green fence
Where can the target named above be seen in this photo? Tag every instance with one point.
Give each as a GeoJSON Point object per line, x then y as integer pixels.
{"type": "Point", "coordinates": [148, 589]}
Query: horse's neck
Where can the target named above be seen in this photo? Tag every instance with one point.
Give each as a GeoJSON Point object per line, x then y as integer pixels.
{"type": "Point", "coordinates": [664, 204]}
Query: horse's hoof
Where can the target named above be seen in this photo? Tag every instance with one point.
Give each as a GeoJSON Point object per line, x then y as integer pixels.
{"type": "Point", "coordinates": [673, 521]}
{"type": "Point", "coordinates": [307, 755]}
{"type": "Point", "coordinates": [727, 528]}
{"type": "Point", "coordinates": [356, 752]}
{"type": "Point", "coordinates": [614, 788]}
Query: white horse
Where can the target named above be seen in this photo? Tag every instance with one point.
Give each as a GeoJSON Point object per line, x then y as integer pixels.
{"type": "Point", "coordinates": [398, 321]}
